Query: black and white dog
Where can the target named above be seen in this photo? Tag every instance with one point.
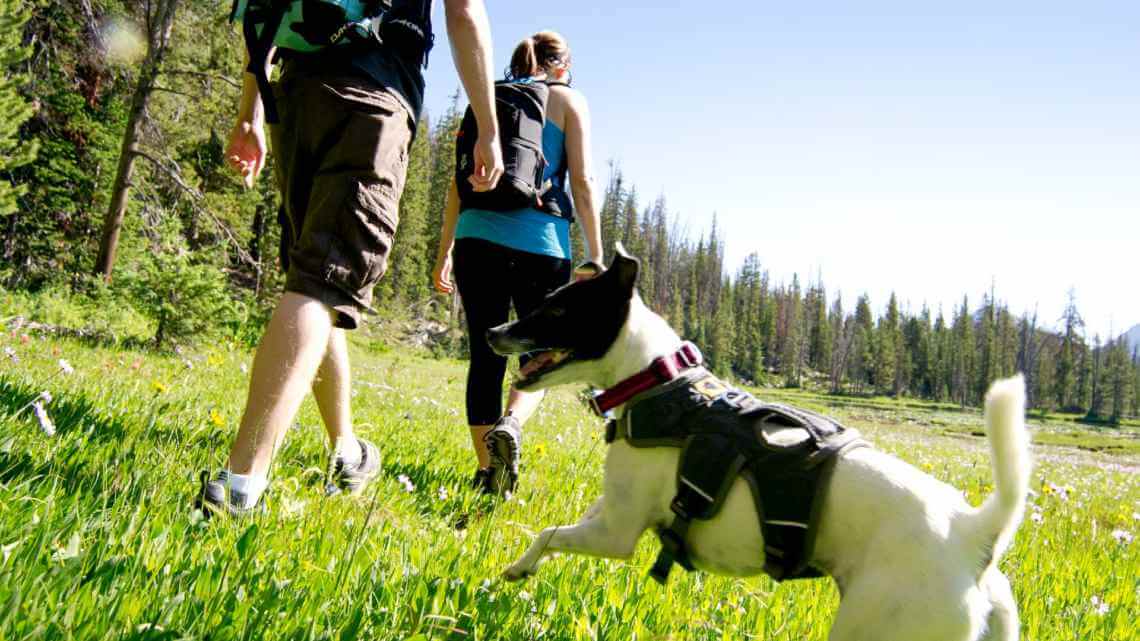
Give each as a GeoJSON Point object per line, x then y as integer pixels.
{"type": "Point", "coordinates": [912, 559]}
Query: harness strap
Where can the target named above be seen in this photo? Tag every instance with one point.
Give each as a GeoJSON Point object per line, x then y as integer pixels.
{"type": "Point", "coordinates": [689, 503]}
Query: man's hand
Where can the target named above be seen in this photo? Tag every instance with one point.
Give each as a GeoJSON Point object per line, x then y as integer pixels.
{"type": "Point", "coordinates": [441, 275]}
{"type": "Point", "coordinates": [247, 150]}
{"type": "Point", "coordinates": [488, 163]}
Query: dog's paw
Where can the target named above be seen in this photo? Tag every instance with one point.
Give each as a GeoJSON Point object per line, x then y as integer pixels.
{"type": "Point", "coordinates": [518, 573]}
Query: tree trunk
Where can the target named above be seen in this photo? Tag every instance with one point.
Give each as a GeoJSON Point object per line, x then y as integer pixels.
{"type": "Point", "coordinates": [161, 25]}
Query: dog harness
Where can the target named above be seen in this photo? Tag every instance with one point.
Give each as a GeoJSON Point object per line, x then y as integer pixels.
{"type": "Point", "coordinates": [785, 454]}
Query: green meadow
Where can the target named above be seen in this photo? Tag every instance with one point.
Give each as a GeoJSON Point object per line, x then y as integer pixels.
{"type": "Point", "coordinates": [98, 539]}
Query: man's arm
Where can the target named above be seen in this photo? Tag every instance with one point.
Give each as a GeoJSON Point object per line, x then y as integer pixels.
{"type": "Point", "coordinates": [470, 33]}
{"type": "Point", "coordinates": [247, 149]}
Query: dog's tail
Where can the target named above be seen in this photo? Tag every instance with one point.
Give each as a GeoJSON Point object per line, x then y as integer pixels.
{"type": "Point", "coordinates": [994, 523]}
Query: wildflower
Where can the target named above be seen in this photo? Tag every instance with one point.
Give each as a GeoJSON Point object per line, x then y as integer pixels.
{"type": "Point", "coordinates": [244, 368]}
{"type": "Point", "coordinates": [1099, 605]}
{"type": "Point", "coordinates": [42, 416]}
{"type": "Point", "coordinates": [217, 418]}
{"type": "Point", "coordinates": [406, 482]}
{"type": "Point", "coordinates": [1124, 537]}
{"type": "Point", "coordinates": [539, 450]}
{"type": "Point", "coordinates": [214, 360]}
{"type": "Point", "coordinates": [137, 364]}
{"type": "Point", "coordinates": [159, 386]}
{"type": "Point", "coordinates": [66, 367]}
{"type": "Point", "coordinates": [24, 338]}
{"type": "Point", "coordinates": [442, 494]}
{"type": "Point", "coordinates": [558, 439]}
{"type": "Point", "coordinates": [186, 362]}
{"type": "Point", "coordinates": [45, 396]}
{"type": "Point", "coordinates": [1037, 517]}
{"type": "Point", "coordinates": [11, 354]}
{"type": "Point", "coordinates": [524, 596]}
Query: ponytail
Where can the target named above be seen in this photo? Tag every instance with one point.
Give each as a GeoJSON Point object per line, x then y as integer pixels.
{"type": "Point", "coordinates": [533, 54]}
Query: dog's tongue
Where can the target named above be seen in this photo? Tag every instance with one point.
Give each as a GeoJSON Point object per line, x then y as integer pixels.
{"type": "Point", "coordinates": [536, 363]}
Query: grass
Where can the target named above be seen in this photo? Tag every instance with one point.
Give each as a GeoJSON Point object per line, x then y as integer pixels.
{"type": "Point", "coordinates": [96, 539]}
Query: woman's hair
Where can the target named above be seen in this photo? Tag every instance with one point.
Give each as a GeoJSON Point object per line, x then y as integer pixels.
{"type": "Point", "coordinates": [534, 54]}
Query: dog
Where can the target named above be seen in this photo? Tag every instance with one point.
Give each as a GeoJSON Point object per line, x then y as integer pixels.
{"type": "Point", "coordinates": [913, 561]}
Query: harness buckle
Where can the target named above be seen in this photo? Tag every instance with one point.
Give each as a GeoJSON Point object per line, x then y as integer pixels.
{"type": "Point", "coordinates": [689, 355]}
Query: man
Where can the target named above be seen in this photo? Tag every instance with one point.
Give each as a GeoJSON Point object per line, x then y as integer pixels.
{"type": "Point", "coordinates": [346, 115]}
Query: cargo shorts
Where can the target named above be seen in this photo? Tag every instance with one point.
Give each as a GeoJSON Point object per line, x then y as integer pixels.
{"type": "Point", "coordinates": [341, 151]}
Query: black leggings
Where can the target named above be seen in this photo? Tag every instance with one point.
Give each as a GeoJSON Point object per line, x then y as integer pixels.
{"type": "Point", "coordinates": [490, 277]}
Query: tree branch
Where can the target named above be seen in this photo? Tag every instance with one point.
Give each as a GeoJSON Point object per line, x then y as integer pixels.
{"type": "Point", "coordinates": [198, 197]}
{"type": "Point", "coordinates": [206, 76]}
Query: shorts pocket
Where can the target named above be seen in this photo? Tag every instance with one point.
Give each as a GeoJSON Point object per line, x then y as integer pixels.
{"type": "Point", "coordinates": [362, 240]}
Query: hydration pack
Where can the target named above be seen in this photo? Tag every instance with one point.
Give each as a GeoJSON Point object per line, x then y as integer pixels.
{"type": "Point", "coordinates": [308, 26]}
{"type": "Point", "coordinates": [520, 107]}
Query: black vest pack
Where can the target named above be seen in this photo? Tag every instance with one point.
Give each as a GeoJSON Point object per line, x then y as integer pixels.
{"type": "Point", "coordinates": [785, 454]}
{"type": "Point", "coordinates": [309, 26]}
{"type": "Point", "coordinates": [521, 111]}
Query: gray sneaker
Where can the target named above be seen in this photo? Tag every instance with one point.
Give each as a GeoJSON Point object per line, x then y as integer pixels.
{"type": "Point", "coordinates": [353, 477]}
{"type": "Point", "coordinates": [213, 498]}
{"type": "Point", "coordinates": [503, 444]}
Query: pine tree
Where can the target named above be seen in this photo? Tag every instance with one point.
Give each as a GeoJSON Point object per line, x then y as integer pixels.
{"type": "Point", "coordinates": [409, 258]}
{"type": "Point", "coordinates": [886, 349]}
{"type": "Point", "coordinates": [14, 108]}
{"type": "Point", "coordinates": [963, 356]}
{"type": "Point", "coordinates": [1066, 377]}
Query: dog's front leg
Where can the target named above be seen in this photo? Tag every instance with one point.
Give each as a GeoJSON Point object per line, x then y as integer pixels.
{"type": "Point", "coordinates": [594, 535]}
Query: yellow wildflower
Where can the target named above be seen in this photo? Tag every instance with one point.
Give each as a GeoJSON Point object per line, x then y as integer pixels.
{"type": "Point", "coordinates": [217, 418]}
{"type": "Point", "coordinates": [159, 386]}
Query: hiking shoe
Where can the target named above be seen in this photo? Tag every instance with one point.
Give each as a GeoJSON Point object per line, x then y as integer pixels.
{"type": "Point", "coordinates": [503, 443]}
{"type": "Point", "coordinates": [353, 477]}
{"type": "Point", "coordinates": [482, 481]}
{"type": "Point", "coordinates": [215, 497]}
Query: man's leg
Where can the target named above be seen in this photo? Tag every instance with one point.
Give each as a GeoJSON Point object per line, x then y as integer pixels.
{"type": "Point", "coordinates": [287, 359]}
{"type": "Point", "coordinates": [333, 390]}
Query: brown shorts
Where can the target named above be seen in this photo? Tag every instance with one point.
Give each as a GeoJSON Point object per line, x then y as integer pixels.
{"type": "Point", "coordinates": [341, 156]}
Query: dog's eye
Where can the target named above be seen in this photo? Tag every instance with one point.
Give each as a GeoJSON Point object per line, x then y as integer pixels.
{"type": "Point", "coordinates": [556, 312]}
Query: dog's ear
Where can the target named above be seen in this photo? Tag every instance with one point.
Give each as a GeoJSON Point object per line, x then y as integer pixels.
{"type": "Point", "coordinates": [623, 270]}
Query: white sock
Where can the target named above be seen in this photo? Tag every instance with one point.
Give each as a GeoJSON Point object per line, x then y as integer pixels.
{"type": "Point", "coordinates": [348, 450]}
{"type": "Point", "coordinates": [249, 485]}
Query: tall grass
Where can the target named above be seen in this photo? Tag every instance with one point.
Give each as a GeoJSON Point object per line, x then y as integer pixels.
{"type": "Point", "coordinates": [98, 541]}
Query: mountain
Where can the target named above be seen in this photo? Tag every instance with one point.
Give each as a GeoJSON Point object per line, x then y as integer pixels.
{"type": "Point", "coordinates": [1133, 338]}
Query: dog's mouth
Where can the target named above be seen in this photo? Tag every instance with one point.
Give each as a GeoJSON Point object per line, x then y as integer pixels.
{"type": "Point", "coordinates": [541, 364]}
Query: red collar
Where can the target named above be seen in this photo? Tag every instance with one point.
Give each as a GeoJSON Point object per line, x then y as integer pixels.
{"type": "Point", "coordinates": [661, 370]}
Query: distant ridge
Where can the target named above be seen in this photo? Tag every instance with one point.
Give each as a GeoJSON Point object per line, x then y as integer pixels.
{"type": "Point", "coordinates": [1133, 338]}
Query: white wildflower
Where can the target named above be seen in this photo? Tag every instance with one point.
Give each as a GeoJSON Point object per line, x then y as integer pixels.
{"type": "Point", "coordinates": [456, 582]}
{"type": "Point", "coordinates": [1037, 517]}
{"type": "Point", "coordinates": [244, 368]}
{"type": "Point", "coordinates": [45, 421]}
{"type": "Point", "coordinates": [11, 354]}
{"type": "Point", "coordinates": [406, 482]}
{"type": "Point", "coordinates": [1100, 606]}
{"type": "Point", "coordinates": [1123, 537]}
{"type": "Point", "coordinates": [558, 439]}
{"type": "Point", "coordinates": [442, 493]}
{"type": "Point", "coordinates": [66, 367]}
{"type": "Point", "coordinates": [524, 596]}
{"type": "Point", "coordinates": [44, 396]}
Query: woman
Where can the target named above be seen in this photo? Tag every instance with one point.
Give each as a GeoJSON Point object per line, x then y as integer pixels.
{"type": "Point", "coordinates": [517, 257]}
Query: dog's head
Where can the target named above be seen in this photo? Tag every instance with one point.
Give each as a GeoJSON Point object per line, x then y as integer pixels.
{"type": "Point", "coordinates": [573, 328]}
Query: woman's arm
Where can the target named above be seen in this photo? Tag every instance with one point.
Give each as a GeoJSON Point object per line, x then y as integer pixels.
{"type": "Point", "coordinates": [578, 156]}
{"type": "Point", "coordinates": [442, 273]}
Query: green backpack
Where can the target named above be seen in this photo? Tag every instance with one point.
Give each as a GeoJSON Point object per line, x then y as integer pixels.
{"type": "Point", "coordinates": [308, 26]}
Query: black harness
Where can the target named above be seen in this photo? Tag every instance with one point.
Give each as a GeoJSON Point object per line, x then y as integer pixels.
{"type": "Point", "coordinates": [785, 454]}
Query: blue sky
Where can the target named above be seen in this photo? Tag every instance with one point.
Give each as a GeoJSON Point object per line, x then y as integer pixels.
{"type": "Point", "coordinates": [887, 147]}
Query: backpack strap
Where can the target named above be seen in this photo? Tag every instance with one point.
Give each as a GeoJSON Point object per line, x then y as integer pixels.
{"type": "Point", "coordinates": [259, 46]}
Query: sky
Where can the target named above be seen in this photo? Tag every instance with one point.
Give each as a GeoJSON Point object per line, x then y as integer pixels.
{"type": "Point", "coordinates": [882, 146]}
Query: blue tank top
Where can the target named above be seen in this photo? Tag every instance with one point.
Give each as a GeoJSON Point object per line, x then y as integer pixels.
{"type": "Point", "coordinates": [528, 230]}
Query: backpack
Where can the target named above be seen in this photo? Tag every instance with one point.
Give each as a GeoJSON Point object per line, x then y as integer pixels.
{"type": "Point", "coordinates": [521, 111]}
{"type": "Point", "coordinates": [308, 26]}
